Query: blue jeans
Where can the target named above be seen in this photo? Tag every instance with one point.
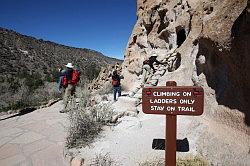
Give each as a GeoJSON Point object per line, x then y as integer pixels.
{"type": "Point", "coordinates": [117, 90]}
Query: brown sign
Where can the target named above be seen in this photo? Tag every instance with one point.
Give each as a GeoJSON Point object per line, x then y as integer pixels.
{"type": "Point", "coordinates": [174, 100]}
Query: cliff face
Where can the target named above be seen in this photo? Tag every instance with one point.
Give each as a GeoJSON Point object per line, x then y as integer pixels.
{"type": "Point", "coordinates": [28, 63]}
{"type": "Point", "coordinates": [203, 42]}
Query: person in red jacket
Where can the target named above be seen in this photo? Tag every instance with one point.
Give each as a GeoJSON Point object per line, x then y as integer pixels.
{"type": "Point", "coordinates": [69, 81]}
{"type": "Point", "coordinates": [116, 82]}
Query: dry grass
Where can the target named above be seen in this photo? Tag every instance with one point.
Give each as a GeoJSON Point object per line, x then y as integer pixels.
{"type": "Point", "coordinates": [86, 122]}
{"type": "Point", "coordinates": [195, 161]}
{"type": "Point", "coordinates": [83, 129]}
{"type": "Point", "coordinates": [155, 162]}
{"type": "Point", "coordinates": [103, 160]}
{"type": "Point", "coordinates": [191, 161]}
{"type": "Point", "coordinates": [106, 89]}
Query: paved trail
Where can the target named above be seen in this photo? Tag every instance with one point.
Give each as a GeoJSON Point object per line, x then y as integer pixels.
{"type": "Point", "coordinates": [34, 139]}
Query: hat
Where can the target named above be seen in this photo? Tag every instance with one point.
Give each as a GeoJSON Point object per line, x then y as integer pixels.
{"type": "Point", "coordinates": [69, 65]}
{"type": "Point", "coordinates": [154, 54]}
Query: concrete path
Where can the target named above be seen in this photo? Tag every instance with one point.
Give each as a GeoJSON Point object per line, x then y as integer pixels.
{"type": "Point", "coordinates": [34, 139]}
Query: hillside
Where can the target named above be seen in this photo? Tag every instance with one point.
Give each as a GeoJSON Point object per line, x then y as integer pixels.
{"type": "Point", "coordinates": [28, 63]}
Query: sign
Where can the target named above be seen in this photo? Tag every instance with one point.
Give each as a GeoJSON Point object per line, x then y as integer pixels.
{"type": "Point", "coordinates": [173, 100]}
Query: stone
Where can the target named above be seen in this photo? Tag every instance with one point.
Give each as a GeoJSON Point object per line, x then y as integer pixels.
{"type": "Point", "coordinates": [153, 82]}
{"type": "Point", "coordinates": [77, 162]}
{"type": "Point", "coordinates": [114, 119]}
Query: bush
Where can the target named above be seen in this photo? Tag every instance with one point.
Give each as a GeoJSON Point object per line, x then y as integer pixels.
{"type": "Point", "coordinates": [85, 122]}
{"type": "Point", "coordinates": [33, 81]}
{"type": "Point", "coordinates": [106, 89]}
{"type": "Point", "coordinates": [156, 162]}
{"type": "Point", "coordinates": [103, 160]}
{"type": "Point", "coordinates": [196, 161]}
{"type": "Point", "coordinates": [83, 129]}
{"type": "Point", "coordinates": [192, 161]}
{"type": "Point", "coordinates": [102, 113]}
{"type": "Point", "coordinates": [92, 71]}
{"type": "Point", "coordinates": [53, 76]}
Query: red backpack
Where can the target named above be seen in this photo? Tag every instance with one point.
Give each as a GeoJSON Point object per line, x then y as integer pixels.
{"type": "Point", "coordinates": [146, 62]}
{"type": "Point", "coordinates": [75, 77]}
{"type": "Point", "coordinates": [115, 82]}
{"type": "Point", "coordinates": [64, 81]}
{"type": "Point", "coordinates": [73, 81]}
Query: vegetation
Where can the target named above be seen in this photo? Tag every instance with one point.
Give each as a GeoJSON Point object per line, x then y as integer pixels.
{"type": "Point", "coordinates": [92, 71]}
{"type": "Point", "coordinates": [103, 160]}
{"type": "Point", "coordinates": [192, 161]}
{"type": "Point", "coordinates": [86, 121]}
{"type": "Point", "coordinates": [33, 81]}
{"type": "Point", "coordinates": [106, 89]}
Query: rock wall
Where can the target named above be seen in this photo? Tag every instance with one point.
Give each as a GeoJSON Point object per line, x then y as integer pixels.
{"type": "Point", "coordinates": [203, 42]}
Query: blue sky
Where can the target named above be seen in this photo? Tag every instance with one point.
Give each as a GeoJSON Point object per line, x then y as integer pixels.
{"type": "Point", "coordinates": [102, 25]}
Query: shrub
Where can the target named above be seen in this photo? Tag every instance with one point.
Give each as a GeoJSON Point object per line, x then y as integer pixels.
{"type": "Point", "coordinates": [156, 162]}
{"type": "Point", "coordinates": [191, 161]}
{"type": "Point", "coordinates": [195, 161]}
{"type": "Point", "coordinates": [83, 129]}
{"type": "Point", "coordinates": [33, 81]}
{"type": "Point", "coordinates": [84, 95]}
{"type": "Point", "coordinates": [85, 122]}
{"type": "Point", "coordinates": [53, 76]}
{"type": "Point", "coordinates": [103, 160]}
{"type": "Point", "coordinates": [106, 89]}
{"type": "Point", "coordinates": [102, 113]}
{"type": "Point", "coordinates": [92, 71]}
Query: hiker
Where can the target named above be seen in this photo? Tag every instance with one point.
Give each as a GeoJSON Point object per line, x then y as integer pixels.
{"type": "Point", "coordinates": [148, 67]}
{"type": "Point", "coordinates": [61, 72]}
{"type": "Point", "coordinates": [116, 82]}
{"type": "Point", "coordinates": [69, 81]}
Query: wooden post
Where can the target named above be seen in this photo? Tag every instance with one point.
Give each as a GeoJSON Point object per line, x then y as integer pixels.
{"type": "Point", "coordinates": [170, 141]}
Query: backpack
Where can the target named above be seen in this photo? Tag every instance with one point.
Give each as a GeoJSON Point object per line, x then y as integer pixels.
{"type": "Point", "coordinates": [74, 80]}
{"type": "Point", "coordinates": [146, 62]}
{"type": "Point", "coordinates": [115, 82]}
{"type": "Point", "coordinates": [75, 77]}
{"type": "Point", "coordinates": [64, 81]}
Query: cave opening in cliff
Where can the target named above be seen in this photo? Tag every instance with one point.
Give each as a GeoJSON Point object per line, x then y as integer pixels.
{"type": "Point", "coordinates": [181, 36]}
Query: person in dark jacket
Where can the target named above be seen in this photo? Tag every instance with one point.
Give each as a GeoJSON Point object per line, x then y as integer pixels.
{"type": "Point", "coordinates": [148, 66]}
{"type": "Point", "coordinates": [116, 82]}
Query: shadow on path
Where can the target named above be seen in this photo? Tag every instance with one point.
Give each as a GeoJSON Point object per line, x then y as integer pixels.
{"type": "Point", "coordinates": [22, 112]}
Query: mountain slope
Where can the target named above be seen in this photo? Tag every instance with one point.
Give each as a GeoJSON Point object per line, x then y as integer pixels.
{"type": "Point", "coordinates": [27, 63]}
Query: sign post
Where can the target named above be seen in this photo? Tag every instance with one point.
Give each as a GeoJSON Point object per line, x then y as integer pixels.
{"type": "Point", "coordinates": [172, 100]}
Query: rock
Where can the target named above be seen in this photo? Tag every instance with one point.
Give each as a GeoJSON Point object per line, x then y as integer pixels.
{"type": "Point", "coordinates": [130, 113]}
{"type": "Point", "coordinates": [52, 101]}
{"type": "Point", "coordinates": [77, 162]}
{"type": "Point", "coordinates": [156, 76]}
{"type": "Point", "coordinates": [160, 72]}
{"type": "Point", "coordinates": [114, 119]}
{"type": "Point", "coordinates": [153, 82]}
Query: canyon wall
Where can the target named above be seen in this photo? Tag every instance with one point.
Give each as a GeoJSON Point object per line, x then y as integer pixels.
{"type": "Point", "coordinates": [202, 42]}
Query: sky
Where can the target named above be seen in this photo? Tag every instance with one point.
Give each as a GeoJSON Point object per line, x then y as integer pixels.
{"type": "Point", "coordinates": [101, 25]}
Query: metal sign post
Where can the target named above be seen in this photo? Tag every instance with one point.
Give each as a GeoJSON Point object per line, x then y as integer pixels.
{"type": "Point", "coordinates": [172, 100]}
